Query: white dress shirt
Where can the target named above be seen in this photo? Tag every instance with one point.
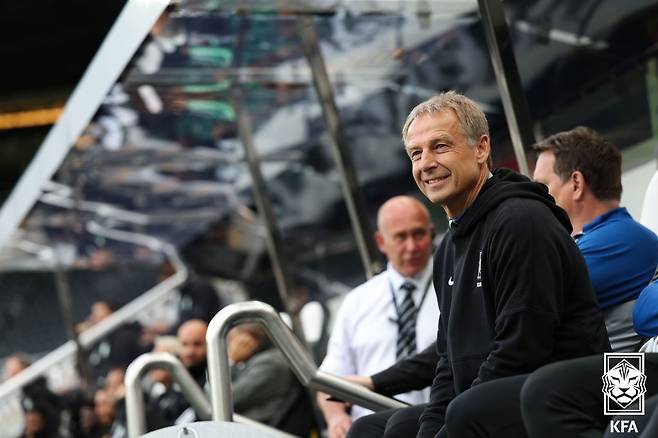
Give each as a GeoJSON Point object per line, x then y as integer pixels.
{"type": "Point", "coordinates": [364, 337]}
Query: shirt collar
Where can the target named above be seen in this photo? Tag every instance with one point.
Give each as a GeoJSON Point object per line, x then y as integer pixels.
{"type": "Point", "coordinates": [615, 212]}
{"type": "Point", "coordinates": [419, 280]}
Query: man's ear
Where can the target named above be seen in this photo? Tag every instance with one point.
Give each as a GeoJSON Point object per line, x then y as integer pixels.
{"type": "Point", "coordinates": [379, 238]}
{"type": "Point", "coordinates": [483, 149]}
{"type": "Point", "coordinates": [577, 182]}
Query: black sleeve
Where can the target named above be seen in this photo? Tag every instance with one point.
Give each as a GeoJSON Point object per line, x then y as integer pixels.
{"type": "Point", "coordinates": [441, 393]}
{"type": "Point", "coordinates": [410, 374]}
{"type": "Point", "coordinates": [526, 274]}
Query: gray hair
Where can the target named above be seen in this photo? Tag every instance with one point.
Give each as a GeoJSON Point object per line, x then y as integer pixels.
{"type": "Point", "coordinates": [470, 116]}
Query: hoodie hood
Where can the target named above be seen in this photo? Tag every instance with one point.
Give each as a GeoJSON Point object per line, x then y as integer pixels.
{"type": "Point", "coordinates": [506, 184]}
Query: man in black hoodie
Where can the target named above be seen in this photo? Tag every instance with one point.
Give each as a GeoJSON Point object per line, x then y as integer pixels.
{"type": "Point", "coordinates": [512, 287]}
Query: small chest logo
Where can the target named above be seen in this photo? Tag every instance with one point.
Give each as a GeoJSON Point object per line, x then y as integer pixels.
{"type": "Point", "coordinates": [478, 282]}
{"type": "Point", "coordinates": [451, 281]}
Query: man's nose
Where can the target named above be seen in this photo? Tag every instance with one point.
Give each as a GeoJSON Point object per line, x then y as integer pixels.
{"type": "Point", "coordinates": [410, 244]}
{"type": "Point", "coordinates": [427, 161]}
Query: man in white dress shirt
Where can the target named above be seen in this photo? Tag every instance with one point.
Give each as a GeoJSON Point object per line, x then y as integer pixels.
{"type": "Point", "coordinates": [389, 317]}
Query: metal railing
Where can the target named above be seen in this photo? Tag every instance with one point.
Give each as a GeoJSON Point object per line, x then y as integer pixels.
{"type": "Point", "coordinates": [298, 358]}
{"type": "Point", "coordinates": [126, 313]}
{"type": "Point", "coordinates": [135, 408]}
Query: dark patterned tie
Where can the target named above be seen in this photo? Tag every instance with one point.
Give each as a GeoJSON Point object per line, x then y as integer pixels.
{"type": "Point", "coordinates": [406, 345]}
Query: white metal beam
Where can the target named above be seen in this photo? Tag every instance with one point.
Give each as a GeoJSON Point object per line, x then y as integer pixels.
{"type": "Point", "coordinates": [120, 44]}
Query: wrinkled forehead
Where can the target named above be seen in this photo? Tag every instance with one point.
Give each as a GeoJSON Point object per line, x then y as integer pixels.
{"type": "Point", "coordinates": [441, 125]}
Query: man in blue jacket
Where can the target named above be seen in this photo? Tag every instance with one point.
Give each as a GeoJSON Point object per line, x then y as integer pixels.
{"type": "Point", "coordinates": [583, 173]}
{"type": "Point", "coordinates": [645, 313]}
{"type": "Point", "coordinates": [512, 287]}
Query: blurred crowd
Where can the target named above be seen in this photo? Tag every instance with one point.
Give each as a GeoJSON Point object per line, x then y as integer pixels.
{"type": "Point", "coordinates": [97, 407]}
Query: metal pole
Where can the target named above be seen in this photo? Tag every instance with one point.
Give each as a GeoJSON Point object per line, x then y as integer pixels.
{"type": "Point", "coordinates": [273, 237]}
{"type": "Point", "coordinates": [356, 206]}
{"type": "Point", "coordinates": [66, 306]}
{"type": "Point", "coordinates": [135, 409]}
{"type": "Point", "coordinates": [299, 360]}
{"type": "Point", "coordinates": [501, 52]}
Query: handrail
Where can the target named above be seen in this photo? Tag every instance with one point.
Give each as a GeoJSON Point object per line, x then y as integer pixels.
{"type": "Point", "coordinates": [135, 409]}
{"type": "Point", "coordinates": [298, 358]}
{"type": "Point", "coordinates": [100, 330]}
{"type": "Point", "coordinates": [114, 320]}
{"type": "Point", "coordinates": [106, 210]}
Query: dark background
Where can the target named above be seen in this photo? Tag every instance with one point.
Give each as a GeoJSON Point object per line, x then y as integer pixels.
{"type": "Point", "coordinates": [46, 46]}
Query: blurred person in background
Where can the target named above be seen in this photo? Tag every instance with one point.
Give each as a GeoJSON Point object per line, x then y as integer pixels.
{"type": "Point", "coordinates": [36, 423]}
{"type": "Point", "coordinates": [116, 350]}
{"type": "Point", "coordinates": [391, 316]}
{"type": "Point", "coordinates": [42, 408]}
{"type": "Point", "coordinates": [105, 412]}
{"type": "Point", "coordinates": [192, 339]}
{"type": "Point", "coordinates": [264, 387]}
{"type": "Point", "coordinates": [198, 297]}
{"type": "Point", "coordinates": [114, 386]}
{"type": "Point", "coordinates": [164, 401]}
{"type": "Point", "coordinates": [95, 416]}
{"type": "Point", "coordinates": [195, 299]}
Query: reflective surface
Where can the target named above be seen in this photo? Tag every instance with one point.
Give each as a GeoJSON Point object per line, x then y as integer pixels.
{"type": "Point", "coordinates": [162, 155]}
{"type": "Point", "coordinates": [591, 63]}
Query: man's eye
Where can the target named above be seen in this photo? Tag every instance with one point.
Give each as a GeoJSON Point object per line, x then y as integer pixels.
{"type": "Point", "coordinates": [414, 155]}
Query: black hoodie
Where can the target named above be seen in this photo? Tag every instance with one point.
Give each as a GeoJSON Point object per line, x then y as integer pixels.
{"type": "Point", "coordinates": [513, 291]}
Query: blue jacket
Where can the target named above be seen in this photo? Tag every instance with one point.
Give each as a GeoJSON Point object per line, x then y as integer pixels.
{"type": "Point", "coordinates": [621, 256]}
{"type": "Point", "coordinates": [645, 312]}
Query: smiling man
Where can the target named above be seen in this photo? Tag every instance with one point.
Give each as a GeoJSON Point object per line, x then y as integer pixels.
{"type": "Point", "coordinates": [511, 285]}
{"type": "Point", "coordinates": [391, 316]}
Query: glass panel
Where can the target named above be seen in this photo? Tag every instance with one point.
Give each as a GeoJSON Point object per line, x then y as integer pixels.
{"type": "Point", "coordinates": [593, 64]}
{"type": "Point", "coordinates": [163, 157]}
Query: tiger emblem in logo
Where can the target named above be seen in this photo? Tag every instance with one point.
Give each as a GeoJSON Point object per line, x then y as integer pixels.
{"type": "Point", "coordinates": [624, 383]}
